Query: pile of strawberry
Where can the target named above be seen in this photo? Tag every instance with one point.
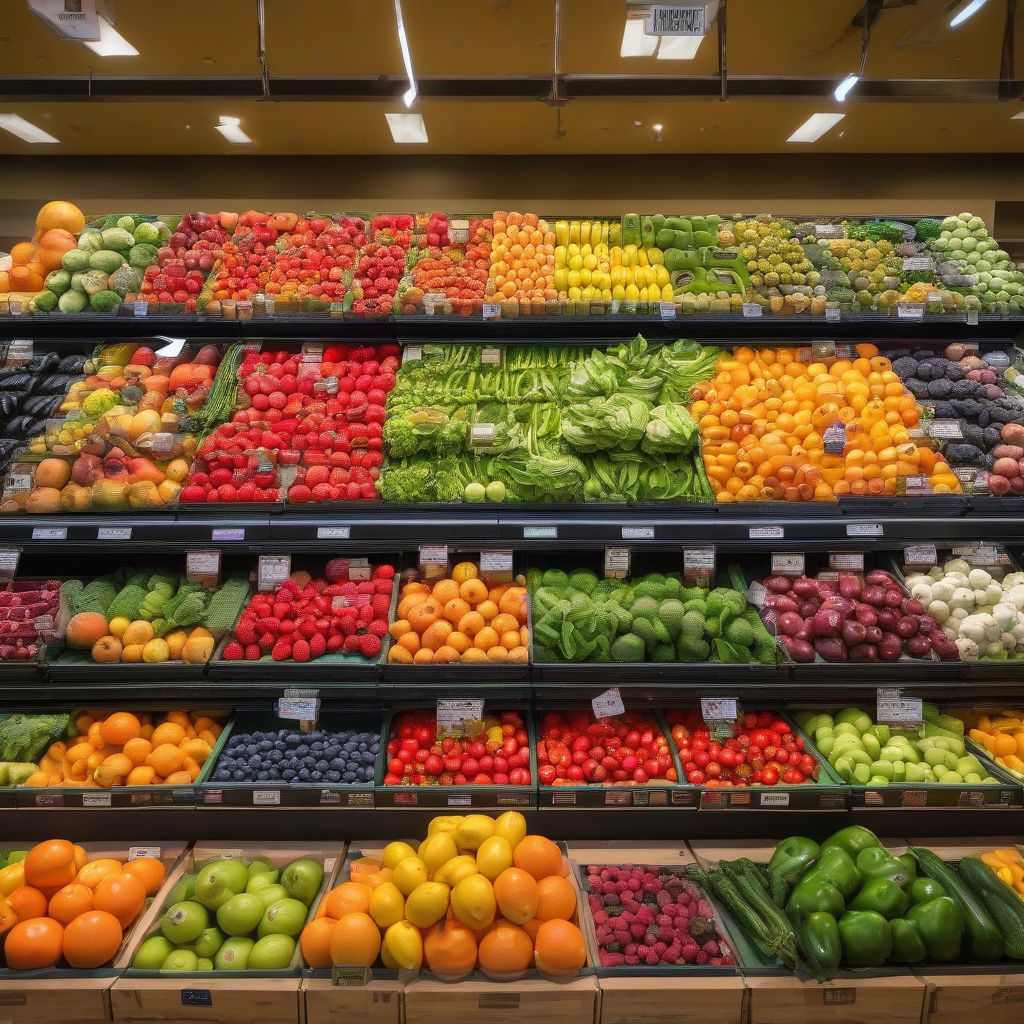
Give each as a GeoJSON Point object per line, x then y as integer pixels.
{"type": "Point", "coordinates": [307, 618]}
{"type": "Point", "coordinates": [459, 272]}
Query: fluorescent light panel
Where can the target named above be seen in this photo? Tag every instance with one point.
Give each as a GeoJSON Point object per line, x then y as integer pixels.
{"type": "Point", "coordinates": [111, 43]}
{"type": "Point", "coordinates": [1018, 117]}
{"type": "Point", "coordinates": [229, 128]}
{"type": "Point", "coordinates": [25, 130]}
{"type": "Point", "coordinates": [814, 127]}
{"type": "Point", "coordinates": [636, 42]}
{"type": "Point", "coordinates": [407, 127]}
{"type": "Point", "coordinates": [410, 94]}
{"type": "Point", "coordinates": [969, 10]}
{"type": "Point", "coordinates": [844, 87]}
{"type": "Point", "coordinates": [679, 47]}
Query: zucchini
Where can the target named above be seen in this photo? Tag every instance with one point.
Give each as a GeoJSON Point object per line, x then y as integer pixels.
{"type": "Point", "coordinates": [983, 941]}
{"type": "Point", "coordinates": [1006, 907]}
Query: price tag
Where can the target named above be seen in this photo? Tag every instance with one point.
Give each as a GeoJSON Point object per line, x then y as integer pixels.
{"type": "Point", "coordinates": [458, 232]}
{"type": "Point", "coordinates": [920, 554]}
{"type": "Point", "coordinates": [616, 563]}
{"type": "Point", "coordinates": [847, 561]}
{"type": "Point", "coordinates": [234, 533]}
{"type": "Point", "coordinates": [452, 715]}
{"type": "Point", "coordinates": [266, 797]}
{"type": "Point", "coordinates": [540, 532]}
{"type": "Point", "coordinates": [481, 434]}
{"type": "Point", "coordinates": [50, 533]}
{"type": "Point", "coordinates": [864, 530]}
{"type": "Point", "coordinates": [299, 705]}
{"type": "Point", "coordinates": [614, 308]}
{"type": "Point", "coordinates": [9, 561]}
{"type": "Point", "coordinates": [752, 309]}
{"type": "Point", "coordinates": [766, 532]}
{"type": "Point", "coordinates": [312, 352]}
{"type": "Point", "coordinates": [18, 482]}
{"type": "Point", "coordinates": [978, 554]}
{"type": "Point", "coordinates": [268, 305]}
{"type": "Point", "coordinates": [490, 356]}
{"type": "Point", "coordinates": [492, 311]}
{"type": "Point", "coordinates": [698, 566]}
{"type": "Point", "coordinates": [350, 977]}
{"type": "Point", "coordinates": [95, 799]}
{"type": "Point", "coordinates": [910, 311]}
{"type": "Point", "coordinates": [412, 354]}
{"type": "Point", "coordinates": [918, 263]}
{"type": "Point", "coordinates": [788, 563]}
{"type": "Point", "coordinates": [916, 484]}
{"type": "Point", "coordinates": [608, 704]}
{"type": "Point", "coordinates": [774, 799]}
{"type": "Point", "coordinates": [667, 310]}
{"type": "Point", "coordinates": [203, 567]}
{"type": "Point", "coordinates": [459, 800]}
{"type": "Point", "coordinates": [140, 307]}
{"type": "Point", "coordinates": [272, 571]}
{"type": "Point", "coordinates": [434, 560]}
{"type": "Point", "coordinates": [135, 852]}
{"type": "Point", "coordinates": [829, 231]}
{"type": "Point", "coordinates": [638, 533]}
{"type": "Point", "coordinates": [972, 318]}
{"type": "Point", "coordinates": [756, 593]}
{"type": "Point", "coordinates": [332, 532]}
{"type": "Point", "coordinates": [718, 709]}
{"type": "Point", "coordinates": [833, 314]}
{"type": "Point", "coordinates": [834, 438]}
{"type": "Point", "coordinates": [114, 533]}
{"type": "Point", "coordinates": [496, 561]}
{"type": "Point", "coordinates": [894, 709]}
{"type": "Point", "coordinates": [823, 349]}
{"type": "Point", "coordinates": [945, 429]}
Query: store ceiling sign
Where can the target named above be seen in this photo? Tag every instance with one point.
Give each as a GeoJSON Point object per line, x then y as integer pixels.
{"type": "Point", "coordinates": [676, 20]}
{"type": "Point", "coordinates": [73, 19]}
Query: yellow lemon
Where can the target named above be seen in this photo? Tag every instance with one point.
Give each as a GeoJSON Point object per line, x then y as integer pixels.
{"type": "Point", "coordinates": [427, 904]}
{"type": "Point", "coordinates": [511, 826]}
{"type": "Point", "coordinates": [456, 870]}
{"type": "Point", "coordinates": [394, 853]}
{"type": "Point", "coordinates": [473, 901]}
{"type": "Point", "coordinates": [387, 905]}
{"type": "Point", "coordinates": [435, 851]}
{"type": "Point", "coordinates": [475, 828]}
{"type": "Point", "coordinates": [405, 944]}
{"type": "Point", "coordinates": [494, 855]}
{"type": "Point", "coordinates": [444, 823]}
{"type": "Point", "coordinates": [409, 873]}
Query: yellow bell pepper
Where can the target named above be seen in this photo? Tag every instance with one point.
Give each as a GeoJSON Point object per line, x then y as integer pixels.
{"type": "Point", "coordinates": [12, 877]}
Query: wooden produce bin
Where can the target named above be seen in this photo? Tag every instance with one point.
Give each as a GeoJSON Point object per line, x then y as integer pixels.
{"type": "Point", "coordinates": [527, 1001]}
{"type": "Point", "coordinates": [787, 1000]}
{"type": "Point", "coordinates": [64, 995]}
{"type": "Point", "coordinates": [243, 997]}
{"type": "Point", "coordinates": [654, 995]}
{"type": "Point", "coordinates": [992, 998]}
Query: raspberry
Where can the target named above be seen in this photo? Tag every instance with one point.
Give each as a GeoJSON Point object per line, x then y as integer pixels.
{"type": "Point", "coordinates": [646, 915]}
{"type": "Point", "coordinates": [282, 650]}
{"type": "Point", "coordinates": [704, 909]}
{"type": "Point", "coordinates": [381, 603]}
{"type": "Point", "coordinates": [300, 652]}
{"type": "Point", "coordinates": [680, 922]}
{"type": "Point", "coordinates": [663, 899]}
{"type": "Point", "coordinates": [378, 628]}
{"type": "Point", "coordinates": [369, 645]}
{"type": "Point", "coordinates": [605, 935]}
{"type": "Point", "coordinates": [384, 572]}
{"type": "Point", "coordinates": [632, 961]}
{"type": "Point", "coordinates": [253, 652]}
{"type": "Point", "coordinates": [593, 881]}
{"type": "Point", "coordinates": [690, 951]}
{"type": "Point", "coordinates": [638, 931]}
{"type": "Point", "coordinates": [317, 645]}
{"type": "Point", "coordinates": [349, 627]}
{"type": "Point", "coordinates": [351, 645]}
{"type": "Point", "coordinates": [666, 934]}
{"type": "Point", "coordinates": [600, 918]}
{"type": "Point", "coordinates": [233, 652]}
{"type": "Point", "coordinates": [663, 921]}
{"type": "Point", "coordinates": [334, 642]}
{"type": "Point", "coordinates": [595, 902]}
{"type": "Point", "coordinates": [622, 938]}
{"type": "Point", "coordinates": [652, 959]}
{"type": "Point", "coordinates": [702, 958]}
{"type": "Point", "coordinates": [642, 951]}
{"type": "Point", "coordinates": [711, 948]}
{"type": "Point", "coordinates": [611, 899]}
{"type": "Point", "coordinates": [629, 949]}
{"type": "Point", "coordinates": [366, 615]}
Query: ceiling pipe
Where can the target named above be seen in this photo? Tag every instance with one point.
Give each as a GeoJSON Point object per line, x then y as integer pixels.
{"type": "Point", "coordinates": [1006, 64]}
{"type": "Point", "coordinates": [261, 42]}
{"type": "Point", "coordinates": [723, 74]}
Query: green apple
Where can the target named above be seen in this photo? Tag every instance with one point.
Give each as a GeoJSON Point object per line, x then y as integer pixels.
{"type": "Point", "coordinates": [183, 922]}
{"type": "Point", "coordinates": [152, 954]}
{"type": "Point", "coordinates": [265, 878]}
{"type": "Point", "coordinates": [259, 866]}
{"type": "Point", "coordinates": [181, 960]}
{"type": "Point", "coordinates": [272, 953]}
{"type": "Point", "coordinates": [302, 879]}
{"type": "Point", "coordinates": [183, 889]}
{"type": "Point", "coordinates": [233, 955]}
{"type": "Point", "coordinates": [204, 963]}
{"type": "Point", "coordinates": [241, 914]}
{"type": "Point", "coordinates": [16, 856]}
{"type": "Point", "coordinates": [209, 941]}
{"type": "Point", "coordinates": [285, 917]}
{"type": "Point", "coordinates": [219, 881]}
{"type": "Point", "coordinates": [271, 894]}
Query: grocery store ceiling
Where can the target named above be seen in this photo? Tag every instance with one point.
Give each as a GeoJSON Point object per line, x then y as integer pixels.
{"type": "Point", "coordinates": [485, 66]}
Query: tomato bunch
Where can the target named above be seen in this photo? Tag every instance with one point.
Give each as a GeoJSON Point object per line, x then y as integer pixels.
{"type": "Point", "coordinates": [762, 751]}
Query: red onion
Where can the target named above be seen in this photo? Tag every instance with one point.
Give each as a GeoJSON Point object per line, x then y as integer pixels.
{"type": "Point", "coordinates": [790, 623]}
{"type": "Point", "coordinates": [917, 646]}
{"type": "Point", "coordinates": [865, 614]}
{"type": "Point", "coordinates": [906, 626]}
{"type": "Point", "coordinates": [890, 647]}
{"type": "Point", "coordinates": [830, 648]}
{"type": "Point", "coordinates": [827, 623]}
{"type": "Point", "coordinates": [878, 577]}
{"type": "Point", "coordinates": [849, 586]}
{"type": "Point", "coordinates": [798, 650]}
{"type": "Point", "coordinates": [778, 584]}
{"type": "Point", "coordinates": [854, 632]}
{"type": "Point", "coordinates": [873, 595]}
{"type": "Point", "coordinates": [864, 652]}
{"type": "Point", "coordinates": [873, 635]}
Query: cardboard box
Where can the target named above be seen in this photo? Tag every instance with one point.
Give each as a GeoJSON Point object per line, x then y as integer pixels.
{"type": "Point", "coordinates": [379, 1002]}
{"type": "Point", "coordinates": [787, 1000]}
{"type": "Point", "coordinates": [955, 998]}
{"type": "Point", "coordinates": [529, 1001]}
{"type": "Point", "coordinates": [251, 997]}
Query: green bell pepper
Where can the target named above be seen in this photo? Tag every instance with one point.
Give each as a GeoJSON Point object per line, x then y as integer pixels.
{"type": "Point", "coordinates": [837, 867]}
{"type": "Point", "coordinates": [815, 895]}
{"type": "Point", "coordinates": [851, 839]}
{"type": "Point", "coordinates": [907, 945]}
{"type": "Point", "coordinates": [821, 945]}
{"type": "Point", "coordinates": [941, 925]}
{"type": "Point", "coordinates": [878, 862]}
{"type": "Point", "coordinates": [924, 889]}
{"type": "Point", "coordinates": [910, 866]}
{"type": "Point", "coordinates": [792, 857]}
{"type": "Point", "coordinates": [883, 896]}
{"type": "Point", "coordinates": [866, 938]}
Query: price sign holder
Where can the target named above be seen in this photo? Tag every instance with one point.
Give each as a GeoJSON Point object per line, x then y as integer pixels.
{"type": "Point", "coordinates": [752, 309]}
{"type": "Point", "coordinates": [788, 563]}
{"type": "Point", "coordinates": [608, 704]}
{"type": "Point", "coordinates": [616, 563]}
{"type": "Point", "coordinates": [892, 708]}
{"type": "Point", "coordinates": [203, 567]}
{"type": "Point", "coordinates": [699, 567]}
{"type": "Point", "coordinates": [302, 706]}
{"type": "Point", "coordinates": [454, 714]}
{"type": "Point", "coordinates": [9, 558]}
{"type": "Point", "coordinates": [496, 565]}
{"type": "Point", "coordinates": [823, 349]}
{"type": "Point", "coordinates": [433, 561]}
{"type": "Point", "coordinates": [490, 356]}
{"type": "Point", "coordinates": [920, 556]}
{"type": "Point", "coordinates": [846, 561]}
{"type": "Point", "coordinates": [412, 354]}
{"type": "Point", "coordinates": [719, 713]}
{"type": "Point", "coordinates": [272, 571]}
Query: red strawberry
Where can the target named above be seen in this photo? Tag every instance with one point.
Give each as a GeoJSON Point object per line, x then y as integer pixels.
{"type": "Point", "coordinates": [246, 631]}
{"type": "Point", "coordinates": [317, 645]}
{"type": "Point", "coordinates": [369, 645]}
{"type": "Point", "coordinates": [282, 650]}
{"type": "Point", "coordinates": [253, 652]}
{"type": "Point", "coordinates": [300, 652]}
{"type": "Point", "coordinates": [233, 652]}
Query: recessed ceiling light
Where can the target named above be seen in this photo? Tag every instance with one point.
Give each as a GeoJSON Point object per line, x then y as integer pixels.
{"type": "Point", "coordinates": [679, 47]}
{"type": "Point", "coordinates": [814, 127]}
{"type": "Point", "coordinates": [111, 43]}
{"type": "Point", "coordinates": [638, 124]}
{"type": "Point", "coordinates": [657, 127]}
{"type": "Point", "coordinates": [229, 128]}
{"type": "Point", "coordinates": [1018, 117]}
{"type": "Point", "coordinates": [636, 42]}
{"type": "Point", "coordinates": [24, 129]}
{"type": "Point", "coordinates": [968, 10]}
{"type": "Point", "coordinates": [407, 127]}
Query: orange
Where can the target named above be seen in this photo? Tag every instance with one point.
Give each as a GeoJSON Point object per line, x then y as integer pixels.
{"type": "Point", "coordinates": [465, 571]}
{"type": "Point", "coordinates": [34, 944]}
{"type": "Point", "coordinates": [504, 622]}
{"type": "Point", "coordinates": [497, 654]}
{"type": "Point", "coordinates": [505, 949]}
{"type": "Point", "coordinates": [471, 624]}
{"type": "Point", "coordinates": [168, 732]}
{"type": "Point", "coordinates": [51, 864]}
{"type": "Point", "coordinates": [517, 894]}
{"type": "Point", "coordinates": [449, 948]}
{"type": "Point", "coordinates": [435, 635]}
{"type": "Point", "coordinates": [92, 939]}
{"type": "Point", "coordinates": [458, 641]}
{"type": "Point", "coordinates": [140, 632]}
{"type": "Point", "coordinates": [137, 750]}
{"type": "Point", "coordinates": [67, 903]}
{"type": "Point", "coordinates": [445, 591]}
{"type": "Point", "coordinates": [560, 949]}
{"type": "Point", "coordinates": [355, 940]}
{"type": "Point", "coordinates": [488, 609]}
{"type": "Point", "coordinates": [150, 871]}
{"type": "Point", "coordinates": [27, 902]}
{"type": "Point", "coordinates": [165, 759]}
{"type": "Point", "coordinates": [538, 856]}
{"type": "Point", "coordinates": [117, 729]}
{"type": "Point", "coordinates": [122, 895]}
{"type": "Point", "coordinates": [473, 591]}
{"type": "Point", "coordinates": [557, 898]}
{"type": "Point", "coordinates": [509, 639]}
{"type": "Point", "coordinates": [424, 615]}
{"type": "Point", "coordinates": [347, 898]}
{"type": "Point", "coordinates": [315, 942]}
{"type": "Point", "coordinates": [455, 609]}
{"type": "Point", "coordinates": [485, 639]}
{"type": "Point", "coordinates": [473, 654]}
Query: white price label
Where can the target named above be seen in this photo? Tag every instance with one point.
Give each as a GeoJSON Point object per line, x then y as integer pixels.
{"type": "Point", "coordinates": [752, 309]}
{"type": "Point", "coordinates": [299, 709]}
{"type": "Point", "coordinates": [848, 561]}
{"type": "Point", "coordinates": [608, 704]}
{"type": "Point", "coordinates": [823, 349]}
{"type": "Point", "coordinates": [774, 799]}
{"type": "Point", "coordinates": [638, 533]}
{"type": "Point", "coordinates": [946, 429]}
{"type": "Point", "coordinates": [540, 532]}
{"type": "Point", "coordinates": [920, 554]}
{"type": "Point", "coordinates": [459, 800]}
{"type": "Point", "coordinates": [667, 310]}
{"type": "Point", "coordinates": [333, 532]}
{"type": "Point", "coordinates": [492, 311]}
{"type": "Point", "coordinates": [114, 533]}
{"type": "Point", "coordinates": [312, 352]}
{"type": "Point", "coordinates": [433, 554]}
{"type": "Point", "coordinates": [481, 434]}
{"type": "Point", "coordinates": [272, 571]}
{"type": "Point", "coordinates": [897, 710]}
{"type": "Point", "coordinates": [616, 562]}
{"type": "Point", "coordinates": [496, 561]}
{"type": "Point", "coordinates": [135, 852]}
{"type": "Point", "coordinates": [9, 560]}
{"type": "Point", "coordinates": [918, 263]}
{"type": "Point", "coordinates": [18, 482]}
{"type": "Point", "coordinates": [49, 533]}
{"type": "Point", "coordinates": [756, 593]}
{"type": "Point", "coordinates": [268, 304]}
{"type": "Point", "coordinates": [972, 318]}
{"type": "Point", "coordinates": [788, 563]}
{"type": "Point", "coordinates": [199, 564]}
{"type": "Point", "coordinates": [266, 797]}
{"type": "Point", "coordinates": [698, 565]}
{"type": "Point", "coordinates": [453, 714]}
{"type": "Point", "coordinates": [718, 709]}
{"type": "Point", "coordinates": [833, 314]}
{"type": "Point", "coordinates": [864, 530]}
{"type": "Point", "coordinates": [412, 354]}
{"type": "Point", "coordinates": [766, 532]}
{"type": "Point", "coordinates": [359, 569]}
{"type": "Point", "coordinates": [978, 554]}
{"type": "Point", "coordinates": [910, 311]}
{"type": "Point", "coordinates": [140, 307]}
{"type": "Point", "coordinates": [490, 356]}
{"type": "Point", "coordinates": [234, 533]}
{"type": "Point", "coordinates": [95, 799]}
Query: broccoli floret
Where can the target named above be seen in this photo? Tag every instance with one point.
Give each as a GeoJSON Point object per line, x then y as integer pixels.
{"type": "Point", "coordinates": [406, 483]}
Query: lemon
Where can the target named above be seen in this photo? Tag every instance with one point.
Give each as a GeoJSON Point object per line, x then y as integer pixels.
{"type": "Point", "coordinates": [444, 823]}
{"type": "Point", "coordinates": [475, 828]}
{"type": "Point", "coordinates": [456, 870]}
{"type": "Point", "coordinates": [395, 853]}
{"type": "Point", "coordinates": [405, 945]}
{"type": "Point", "coordinates": [427, 904]}
{"type": "Point", "coordinates": [435, 851]}
{"type": "Point", "coordinates": [494, 855]}
{"type": "Point", "coordinates": [386, 905]}
{"type": "Point", "coordinates": [473, 901]}
{"type": "Point", "coordinates": [409, 873]}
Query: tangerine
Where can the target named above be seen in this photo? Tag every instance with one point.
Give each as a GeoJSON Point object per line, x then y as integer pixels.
{"type": "Point", "coordinates": [505, 949]}
{"type": "Point", "coordinates": [355, 940]}
{"type": "Point", "coordinates": [117, 729]}
{"type": "Point", "coordinates": [50, 864]}
{"type": "Point", "coordinates": [34, 944]}
{"type": "Point", "coordinates": [315, 942]}
{"type": "Point", "coordinates": [27, 902]}
{"type": "Point", "coordinates": [560, 949]}
{"type": "Point", "coordinates": [347, 898]}
{"type": "Point", "coordinates": [150, 871]}
{"type": "Point", "coordinates": [121, 895]}
{"type": "Point", "coordinates": [67, 903]}
{"type": "Point", "coordinates": [449, 948]}
{"type": "Point", "coordinates": [557, 898]}
{"type": "Point", "coordinates": [92, 939]}
{"type": "Point", "coordinates": [538, 856]}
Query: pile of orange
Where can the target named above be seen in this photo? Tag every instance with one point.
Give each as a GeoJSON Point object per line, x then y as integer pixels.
{"type": "Point", "coordinates": [460, 618]}
{"type": "Point", "coordinates": [522, 259]}
{"type": "Point", "coordinates": [763, 418]}
{"type": "Point", "coordinates": [68, 906]}
{"type": "Point", "coordinates": [126, 749]}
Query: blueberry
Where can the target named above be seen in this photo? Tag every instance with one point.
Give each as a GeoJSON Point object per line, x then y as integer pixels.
{"type": "Point", "coordinates": [349, 776]}
{"type": "Point", "coordinates": [292, 739]}
{"type": "Point", "coordinates": [333, 776]}
{"type": "Point", "coordinates": [302, 748]}
{"type": "Point", "coordinates": [240, 776]}
{"type": "Point", "coordinates": [304, 775]}
{"type": "Point", "coordinates": [288, 774]}
{"type": "Point", "coordinates": [337, 763]}
{"type": "Point", "coordinates": [316, 776]}
{"type": "Point", "coordinates": [263, 775]}
{"type": "Point", "coordinates": [221, 775]}
{"type": "Point", "coordinates": [280, 745]}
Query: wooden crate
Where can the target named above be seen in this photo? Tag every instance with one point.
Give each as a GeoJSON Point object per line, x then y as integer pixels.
{"type": "Point", "coordinates": [684, 999]}
{"type": "Point", "coordinates": [787, 1000]}
{"type": "Point", "coordinates": [528, 1001]}
{"type": "Point", "coordinates": [990, 998]}
{"type": "Point", "coordinates": [378, 1002]}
